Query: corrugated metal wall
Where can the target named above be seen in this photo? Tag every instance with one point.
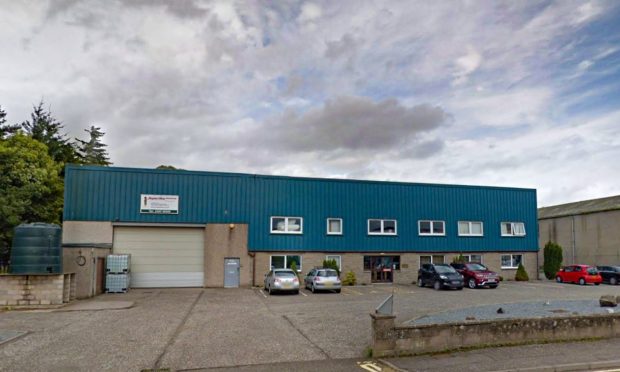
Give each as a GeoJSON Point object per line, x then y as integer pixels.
{"type": "Point", "coordinates": [113, 194]}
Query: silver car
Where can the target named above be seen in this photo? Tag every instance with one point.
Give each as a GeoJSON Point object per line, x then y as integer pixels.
{"type": "Point", "coordinates": [322, 279]}
{"type": "Point", "coordinates": [281, 280]}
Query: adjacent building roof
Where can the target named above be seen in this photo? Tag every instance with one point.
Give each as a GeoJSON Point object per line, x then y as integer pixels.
{"type": "Point", "coordinates": [582, 207]}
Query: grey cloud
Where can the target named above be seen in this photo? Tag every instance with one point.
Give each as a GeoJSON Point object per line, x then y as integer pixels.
{"type": "Point", "coordinates": [346, 46]}
{"type": "Point", "coordinates": [353, 123]}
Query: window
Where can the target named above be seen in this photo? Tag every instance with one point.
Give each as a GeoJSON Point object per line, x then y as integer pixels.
{"type": "Point", "coordinates": [511, 261]}
{"type": "Point", "coordinates": [287, 225]}
{"type": "Point", "coordinates": [334, 226]}
{"type": "Point", "coordinates": [335, 258]}
{"type": "Point", "coordinates": [431, 228]}
{"type": "Point", "coordinates": [513, 229]}
{"type": "Point", "coordinates": [381, 227]}
{"type": "Point", "coordinates": [473, 258]}
{"type": "Point", "coordinates": [434, 259]}
{"type": "Point", "coordinates": [470, 228]}
{"type": "Point", "coordinates": [377, 263]}
{"type": "Point", "coordinates": [285, 262]}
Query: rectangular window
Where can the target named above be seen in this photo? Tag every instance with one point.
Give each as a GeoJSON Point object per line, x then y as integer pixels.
{"type": "Point", "coordinates": [431, 228]}
{"type": "Point", "coordinates": [513, 229]}
{"type": "Point", "coordinates": [473, 258]}
{"type": "Point", "coordinates": [470, 228]}
{"type": "Point", "coordinates": [287, 225]}
{"type": "Point", "coordinates": [375, 263]}
{"type": "Point", "coordinates": [285, 262]}
{"type": "Point", "coordinates": [335, 258]}
{"type": "Point", "coordinates": [511, 261]}
{"type": "Point", "coordinates": [381, 227]}
{"type": "Point", "coordinates": [434, 259]}
{"type": "Point", "coordinates": [334, 226]}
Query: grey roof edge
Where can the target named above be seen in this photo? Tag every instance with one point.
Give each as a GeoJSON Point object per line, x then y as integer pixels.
{"type": "Point", "coordinates": [606, 204]}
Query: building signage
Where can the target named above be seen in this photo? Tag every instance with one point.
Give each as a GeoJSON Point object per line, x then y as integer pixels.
{"type": "Point", "coordinates": [159, 204]}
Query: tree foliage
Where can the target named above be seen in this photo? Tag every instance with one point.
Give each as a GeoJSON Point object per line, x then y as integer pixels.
{"type": "Point", "coordinates": [166, 167]}
{"type": "Point", "coordinates": [552, 259]}
{"type": "Point", "coordinates": [31, 186]}
{"type": "Point", "coordinates": [44, 128]}
{"type": "Point", "coordinates": [93, 152]}
{"type": "Point", "coordinates": [521, 275]}
{"type": "Point", "coordinates": [7, 130]}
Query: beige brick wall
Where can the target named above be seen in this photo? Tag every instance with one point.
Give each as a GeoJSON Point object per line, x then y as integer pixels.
{"type": "Point", "coordinates": [409, 264]}
{"type": "Point", "coordinates": [32, 289]}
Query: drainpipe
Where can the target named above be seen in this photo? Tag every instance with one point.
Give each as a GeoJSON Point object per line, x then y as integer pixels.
{"type": "Point", "coordinates": [573, 233]}
{"type": "Point", "coordinates": [252, 254]}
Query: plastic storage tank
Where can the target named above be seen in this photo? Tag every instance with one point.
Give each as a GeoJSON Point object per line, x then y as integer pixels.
{"type": "Point", "coordinates": [37, 249]}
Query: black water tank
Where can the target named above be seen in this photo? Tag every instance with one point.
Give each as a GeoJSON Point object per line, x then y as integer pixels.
{"type": "Point", "coordinates": [37, 249]}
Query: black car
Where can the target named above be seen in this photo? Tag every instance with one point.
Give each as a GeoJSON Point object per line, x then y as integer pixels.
{"type": "Point", "coordinates": [439, 276]}
{"type": "Point", "coordinates": [610, 274]}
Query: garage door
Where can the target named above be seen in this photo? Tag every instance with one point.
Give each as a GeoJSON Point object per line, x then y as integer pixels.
{"type": "Point", "coordinates": [162, 257]}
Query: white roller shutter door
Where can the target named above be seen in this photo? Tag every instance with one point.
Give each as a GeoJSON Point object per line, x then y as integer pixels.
{"type": "Point", "coordinates": [162, 256]}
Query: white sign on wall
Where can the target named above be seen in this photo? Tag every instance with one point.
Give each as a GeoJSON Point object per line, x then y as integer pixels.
{"type": "Point", "coordinates": [159, 204]}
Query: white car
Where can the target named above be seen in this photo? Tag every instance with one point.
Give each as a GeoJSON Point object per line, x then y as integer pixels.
{"type": "Point", "coordinates": [281, 280]}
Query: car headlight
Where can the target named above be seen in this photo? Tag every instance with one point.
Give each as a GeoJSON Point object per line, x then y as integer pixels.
{"type": "Point", "coordinates": [443, 277]}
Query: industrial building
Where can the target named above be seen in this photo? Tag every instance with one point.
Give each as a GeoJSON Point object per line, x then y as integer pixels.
{"type": "Point", "coordinates": [588, 231]}
{"type": "Point", "coordinates": [189, 228]}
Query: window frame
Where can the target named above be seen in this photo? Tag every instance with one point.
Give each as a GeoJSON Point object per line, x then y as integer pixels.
{"type": "Point", "coordinates": [286, 256]}
{"type": "Point", "coordinates": [512, 229]}
{"type": "Point", "coordinates": [469, 225]}
{"type": "Point", "coordinates": [511, 267]}
{"type": "Point", "coordinates": [473, 254]}
{"type": "Point", "coordinates": [339, 260]}
{"type": "Point", "coordinates": [329, 219]}
{"type": "Point", "coordinates": [432, 233]}
{"type": "Point", "coordinates": [382, 220]}
{"type": "Point", "coordinates": [286, 231]}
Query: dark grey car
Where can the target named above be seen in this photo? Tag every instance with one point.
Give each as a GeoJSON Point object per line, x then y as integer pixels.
{"type": "Point", "coordinates": [440, 276]}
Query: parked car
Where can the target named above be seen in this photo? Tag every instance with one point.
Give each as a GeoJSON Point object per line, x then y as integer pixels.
{"type": "Point", "coordinates": [439, 276]}
{"type": "Point", "coordinates": [281, 280]}
{"type": "Point", "coordinates": [610, 274]}
{"type": "Point", "coordinates": [581, 274]}
{"type": "Point", "coordinates": [322, 279]}
{"type": "Point", "coordinates": [477, 275]}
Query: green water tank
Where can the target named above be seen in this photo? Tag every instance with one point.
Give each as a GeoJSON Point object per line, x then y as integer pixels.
{"type": "Point", "coordinates": [37, 249]}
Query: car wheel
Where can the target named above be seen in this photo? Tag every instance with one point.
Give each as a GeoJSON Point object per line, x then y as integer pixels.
{"type": "Point", "coordinates": [269, 290]}
{"type": "Point", "coordinates": [312, 288]}
{"type": "Point", "coordinates": [558, 279]}
{"type": "Point", "coordinates": [337, 290]}
{"type": "Point", "coordinates": [420, 282]}
{"type": "Point", "coordinates": [296, 292]}
{"type": "Point", "coordinates": [582, 281]}
{"type": "Point", "coordinates": [613, 281]}
{"type": "Point", "coordinates": [471, 283]}
{"type": "Point", "coordinates": [437, 285]}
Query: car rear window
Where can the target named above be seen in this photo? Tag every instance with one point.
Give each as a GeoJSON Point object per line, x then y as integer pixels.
{"type": "Point", "coordinates": [327, 273]}
{"type": "Point", "coordinates": [285, 274]}
{"type": "Point", "coordinates": [592, 271]}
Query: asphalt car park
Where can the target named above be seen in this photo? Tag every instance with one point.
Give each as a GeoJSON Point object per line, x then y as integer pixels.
{"type": "Point", "coordinates": [206, 328]}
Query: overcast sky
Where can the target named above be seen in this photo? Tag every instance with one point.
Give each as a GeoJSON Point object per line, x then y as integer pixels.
{"type": "Point", "coordinates": [507, 93]}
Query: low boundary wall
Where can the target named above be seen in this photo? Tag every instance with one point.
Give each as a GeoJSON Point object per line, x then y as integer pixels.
{"type": "Point", "coordinates": [44, 289]}
{"type": "Point", "coordinates": [389, 339]}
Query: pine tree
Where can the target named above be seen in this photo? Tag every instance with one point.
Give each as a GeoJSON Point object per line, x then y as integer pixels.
{"type": "Point", "coordinates": [6, 130]}
{"type": "Point", "coordinates": [44, 128]}
{"type": "Point", "coordinates": [93, 151]}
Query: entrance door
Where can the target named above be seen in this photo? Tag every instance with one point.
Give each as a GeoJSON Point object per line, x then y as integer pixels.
{"type": "Point", "coordinates": [382, 267]}
{"type": "Point", "coordinates": [100, 279]}
{"type": "Point", "coordinates": [231, 272]}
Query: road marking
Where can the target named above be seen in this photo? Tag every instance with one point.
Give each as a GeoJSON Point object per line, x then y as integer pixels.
{"type": "Point", "coordinates": [353, 291]}
{"type": "Point", "coordinates": [370, 366]}
{"type": "Point", "coordinates": [261, 292]}
{"type": "Point", "coordinates": [302, 292]}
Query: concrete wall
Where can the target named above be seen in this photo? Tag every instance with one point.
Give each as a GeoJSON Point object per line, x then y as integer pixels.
{"type": "Point", "coordinates": [28, 290]}
{"type": "Point", "coordinates": [83, 242]}
{"type": "Point", "coordinates": [226, 241]}
{"type": "Point", "coordinates": [391, 340]}
{"type": "Point", "coordinates": [409, 264]}
{"type": "Point", "coordinates": [595, 241]}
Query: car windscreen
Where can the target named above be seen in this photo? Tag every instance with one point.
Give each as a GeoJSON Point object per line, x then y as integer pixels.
{"type": "Point", "coordinates": [476, 267]}
{"type": "Point", "coordinates": [616, 269]}
{"type": "Point", "coordinates": [592, 271]}
{"type": "Point", "coordinates": [327, 273]}
{"type": "Point", "coordinates": [444, 269]}
{"type": "Point", "coordinates": [284, 274]}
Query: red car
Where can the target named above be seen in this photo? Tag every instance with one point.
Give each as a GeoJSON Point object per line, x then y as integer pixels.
{"type": "Point", "coordinates": [477, 275]}
{"type": "Point", "coordinates": [581, 274]}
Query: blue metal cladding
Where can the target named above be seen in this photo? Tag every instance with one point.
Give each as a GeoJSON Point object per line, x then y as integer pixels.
{"type": "Point", "coordinates": [113, 194]}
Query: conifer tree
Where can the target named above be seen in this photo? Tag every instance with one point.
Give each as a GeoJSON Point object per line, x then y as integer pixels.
{"type": "Point", "coordinates": [93, 151]}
